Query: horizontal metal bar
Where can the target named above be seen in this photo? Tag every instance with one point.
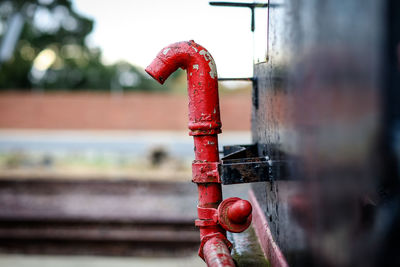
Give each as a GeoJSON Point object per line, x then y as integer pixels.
{"type": "Point", "coordinates": [239, 152]}
{"type": "Point", "coordinates": [247, 172]}
{"type": "Point", "coordinates": [255, 170]}
{"type": "Point", "coordinates": [238, 4]}
{"type": "Point", "coordinates": [247, 79]}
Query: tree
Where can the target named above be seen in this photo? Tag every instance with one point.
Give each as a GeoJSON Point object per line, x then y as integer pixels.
{"type": "Point", "coordinates": [52, 54]}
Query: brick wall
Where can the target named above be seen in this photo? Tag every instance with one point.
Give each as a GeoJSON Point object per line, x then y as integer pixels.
{"type": "Point", "coordinates": [133, 111]}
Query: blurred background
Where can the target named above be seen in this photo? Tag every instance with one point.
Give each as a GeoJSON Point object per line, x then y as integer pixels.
{"type": "Point", "coordinates": [108, 113]}
{"type": "Point", "coordinates": [95, 157]}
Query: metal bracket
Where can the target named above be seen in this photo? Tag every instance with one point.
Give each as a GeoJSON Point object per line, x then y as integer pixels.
{"type": "Point", "coordinates": [252, 6]}
{"type": "Point", "coordinates": [242, 164]}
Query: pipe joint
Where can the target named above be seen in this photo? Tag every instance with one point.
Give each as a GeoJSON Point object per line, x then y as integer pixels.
{"type": "Point", "coordinates": [217, 237]}
{"type": "Point", "coordinates": [233, 215]}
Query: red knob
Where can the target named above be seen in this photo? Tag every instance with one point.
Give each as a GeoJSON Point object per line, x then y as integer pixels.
{"type": "Point", "coordinates": [239, 211]}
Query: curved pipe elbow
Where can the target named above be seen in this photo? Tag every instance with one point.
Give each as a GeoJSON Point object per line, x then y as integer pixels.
{"type": "Point", "coordinates": [204, 115]}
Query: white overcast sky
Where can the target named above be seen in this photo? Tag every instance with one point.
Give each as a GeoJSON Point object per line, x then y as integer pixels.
{"type": "Point", "coordinates": [136, 30]}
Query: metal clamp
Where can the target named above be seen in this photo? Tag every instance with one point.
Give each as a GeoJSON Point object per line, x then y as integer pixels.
{"type": "Point", "coordinates": [205, 172]}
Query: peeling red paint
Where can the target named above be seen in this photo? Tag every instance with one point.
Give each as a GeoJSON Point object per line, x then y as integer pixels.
{"type": "Point", "coordinates": [204, 125]}
{"type": "Point", "coordinates": [217, 254]}
{"type": "Point", "coordinates": [202, 89]}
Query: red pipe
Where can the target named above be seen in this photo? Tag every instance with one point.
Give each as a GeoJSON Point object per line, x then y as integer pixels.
{"type": "Point", "coordinates": [204, 116]}
{"type": "Point", "coordinates": [216, 253]}
{"type": "Point", "coordinates": [204, 125]}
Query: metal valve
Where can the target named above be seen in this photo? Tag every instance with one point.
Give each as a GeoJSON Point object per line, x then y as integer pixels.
{"type": "Point", "coordinates": [234, 214]}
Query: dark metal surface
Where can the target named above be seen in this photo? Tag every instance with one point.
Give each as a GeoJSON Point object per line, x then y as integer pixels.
{"type": "Point", "coordinates": [329, 97]}
{"type": "Point", "coordinates": [241, 164]}
{"type": "Point", "coordinates": [240, 151]}
{"type": "Point", "coordinates": [245, 172]}
{"type": "Point", "coordinates": [389, 182]}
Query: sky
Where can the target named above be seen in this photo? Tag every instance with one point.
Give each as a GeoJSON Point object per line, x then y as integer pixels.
{"type": "Point", "coordinates": [136, 30]}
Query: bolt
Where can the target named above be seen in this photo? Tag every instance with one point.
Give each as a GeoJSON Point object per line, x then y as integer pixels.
{"type": "Point", "coordinates": [239, 211]}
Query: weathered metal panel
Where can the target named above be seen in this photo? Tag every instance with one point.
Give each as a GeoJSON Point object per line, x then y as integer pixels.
{"type": "Point", "coordinates": [320, 101]}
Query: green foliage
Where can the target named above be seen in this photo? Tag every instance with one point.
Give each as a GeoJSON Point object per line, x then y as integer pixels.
{"type": "Point", "coordinates": [52, 25]}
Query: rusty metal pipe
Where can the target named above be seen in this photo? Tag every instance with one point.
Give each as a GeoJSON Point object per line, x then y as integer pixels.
{"type": "Point", "coordinates": [217, 254]}
{"type": "Point", "coordinates": [204, 125]}
{"type": "Point", "coordinates": [204, 117]}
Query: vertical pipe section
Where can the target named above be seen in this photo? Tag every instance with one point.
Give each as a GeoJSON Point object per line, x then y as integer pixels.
{"type": "Point", "coordinates": [204, 125]}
